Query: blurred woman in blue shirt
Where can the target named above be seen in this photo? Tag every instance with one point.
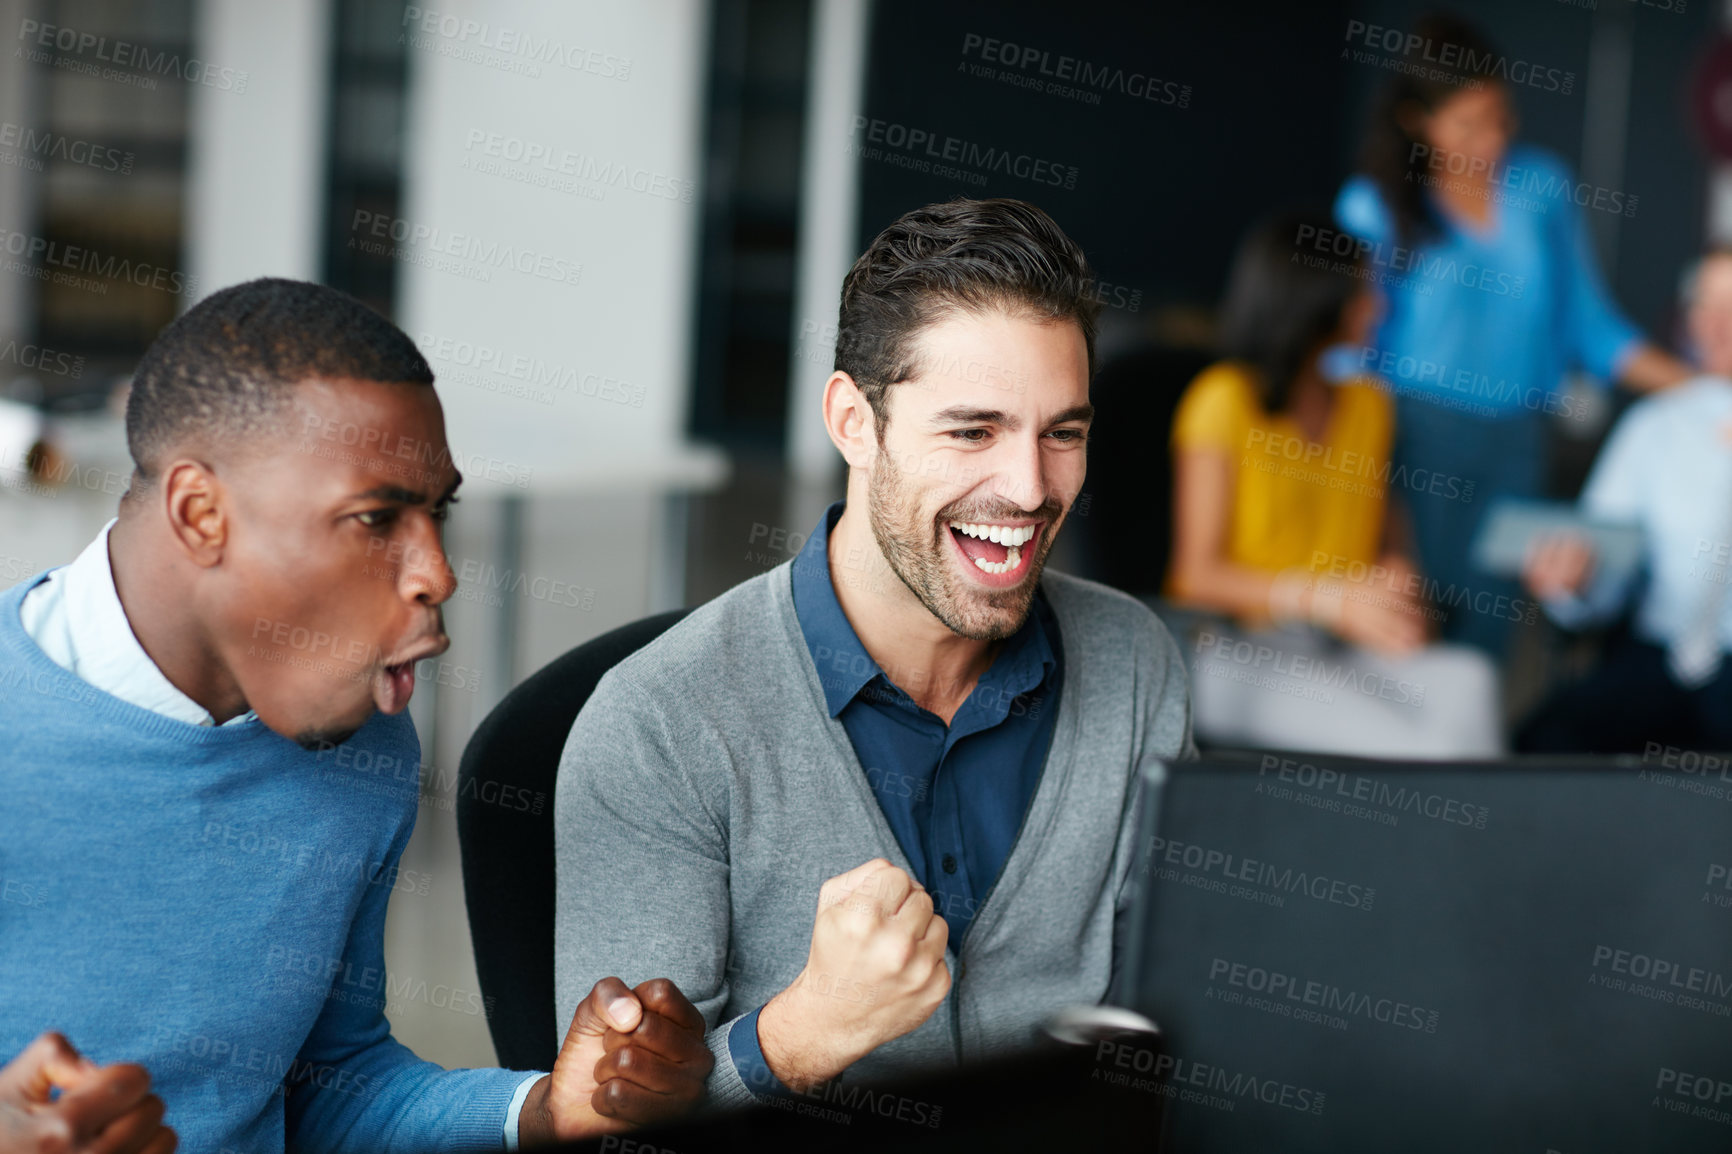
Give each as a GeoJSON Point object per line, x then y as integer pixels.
{"type": "Point", "coordinates": [1492, 295]}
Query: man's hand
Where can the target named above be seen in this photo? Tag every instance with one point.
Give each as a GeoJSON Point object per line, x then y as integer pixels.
{"type": "Point", "coordinates": [1558, 566]}
{"type": "Point", "coordinates": [631, 1057]}
{"type": "Point", "coordinates": [875, 971]}
{"type": "Point", "coordinates": [100, 1110]}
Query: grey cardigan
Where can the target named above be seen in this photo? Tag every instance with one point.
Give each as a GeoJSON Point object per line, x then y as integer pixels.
{"type": "Point", "coordinates": [705, 794]}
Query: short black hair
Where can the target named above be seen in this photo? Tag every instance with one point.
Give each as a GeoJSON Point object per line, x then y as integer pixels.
{"type": "Point", "coordinates": [1284, 299]}
{"type": "Point", "coordinates": [225, 367]}
{"type": "Point", "coordinates": [962, 255]}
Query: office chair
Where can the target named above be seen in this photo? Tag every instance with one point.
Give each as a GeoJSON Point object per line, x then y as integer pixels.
{"type": "Point", "coordinates": [1124, 528]}
{"type": "Point", "coordinates": [505, 834]}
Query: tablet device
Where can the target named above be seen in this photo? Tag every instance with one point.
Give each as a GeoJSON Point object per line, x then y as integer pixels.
{"type": "Point", "coordinates": [1513, 526]}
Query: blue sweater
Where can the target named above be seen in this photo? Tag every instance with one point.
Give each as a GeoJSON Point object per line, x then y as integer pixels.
{"type": "Point", "coordinates": [210, 902]}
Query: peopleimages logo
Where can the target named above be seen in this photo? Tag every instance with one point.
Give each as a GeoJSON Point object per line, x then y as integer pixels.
{"type": "Point", "coordinates": [1299, 674]}
{"type": "Point", "coordinates": [1527, 186]}
{"type": "Point", "coordinates": [1696, 1090]}
{"type": "Point", "coordinates": [1302, 459]}
{"type": "Point", "coordinates": [1191, 1081]}
{"type": "Point", "coordinates": [43, 360]}
{"type": "Point", "coordinates": [1310, 240]}
{"type": "Point", "coordinates": [493, 369]}
{"type": "Point", "coordinates": [63, 260]}
{"type": "Point", "coordinates": [475, 39]}
{"type": "Point", "coordinates": [430, 241]}
{"type": "Point", "coordinates": [1438, 596]}
{"type": "Point", "coordinates": [927, 148]}
{"type": "Point", "coordinates": [1434, 382]}
{"type": "Point", "coordinates": [538, 159]}
{"type": "Point", "coordinates": [1326, 999]}
{"type": "Point", "coordinates": [123, 54]}
{"type": "Point", "coordinates": [1661, 980]}
{"type": "Point", "coordinates": [1446, 61]}
{"type": "Point", "coordinates": [1352, 786]}
{"type": "Point", "coordinates": [1065, 71]}
{"type": "Point", "coordinates": [40, 144]}
{"type": "Point", "coordinates": [1165, 854]}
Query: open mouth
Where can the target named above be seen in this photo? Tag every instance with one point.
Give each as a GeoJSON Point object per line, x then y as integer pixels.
{"type": "Point", "coordinates": [394, 686]}
{"type": "Point", "coordinates": [999, 554]}
{"type": "Point", "coordinates": [395, 683]}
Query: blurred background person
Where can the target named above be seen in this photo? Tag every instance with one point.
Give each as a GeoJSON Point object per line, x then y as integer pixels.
{"type": "Point", "coordinates": [1493, 294]}
{"type": "Point", "coordinates": [1668, 468]}
{"type": "Point", "coordinates": [1282, 522]}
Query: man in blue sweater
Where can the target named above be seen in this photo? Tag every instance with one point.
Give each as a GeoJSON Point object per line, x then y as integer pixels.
{"type": "Point", "coordinates": [213, 778]}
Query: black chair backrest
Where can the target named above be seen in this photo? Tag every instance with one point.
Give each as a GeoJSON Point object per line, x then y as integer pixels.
{"type": "Point", "coordinates": [505, 833]}
{"type": "Point", "coordinates": [1124, 532]}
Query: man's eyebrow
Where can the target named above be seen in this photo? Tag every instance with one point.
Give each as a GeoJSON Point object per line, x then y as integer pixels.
{"type": "Point", "coordinates": [404, 496]}
{"type": "Point", "coordinates": [965, 415]}
{"type": "Point", "coordinates": [395, 493]}
{"type": "Point", "coordinates": [1082, 412]}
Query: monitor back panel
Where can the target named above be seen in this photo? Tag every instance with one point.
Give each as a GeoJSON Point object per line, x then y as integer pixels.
{"type": "Point", "coordinates": [1347, 955]}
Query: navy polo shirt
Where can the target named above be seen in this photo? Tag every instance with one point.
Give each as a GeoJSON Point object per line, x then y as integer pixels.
{"type": "Point", "coordinates": [954, 795]}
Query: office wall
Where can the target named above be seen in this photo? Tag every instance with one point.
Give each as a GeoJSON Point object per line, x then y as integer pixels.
{"type": "Point", "coordinates": [548, 233]}
{"type": "Point", "coordinates": [256, 143]}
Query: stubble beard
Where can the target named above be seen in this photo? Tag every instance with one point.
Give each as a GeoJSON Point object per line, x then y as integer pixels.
{"type": "Point", "coordinates": [914, 549]}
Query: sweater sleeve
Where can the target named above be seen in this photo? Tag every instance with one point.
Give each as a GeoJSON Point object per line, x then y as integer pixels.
{"type": "Point", "coordinates": [1164, 699]}
{"type": "Point", "coordinates": [641, 858]}
{"type": "Point", "coordinates": [353, 1087]}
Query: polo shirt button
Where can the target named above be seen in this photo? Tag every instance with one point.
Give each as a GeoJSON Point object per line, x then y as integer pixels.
{"type": "Point", "coordinates": [949, 863]}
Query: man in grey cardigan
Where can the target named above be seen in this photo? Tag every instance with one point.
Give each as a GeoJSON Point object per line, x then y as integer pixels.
{"type": "Point", "coordinates": [875, 805]}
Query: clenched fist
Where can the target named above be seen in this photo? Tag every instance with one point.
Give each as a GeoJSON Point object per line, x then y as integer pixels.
{"type": "Point", "coordinates": [875, 971]}
{"type": "Point", "coordinates": [100, 1108]}
{"type": "Point", "coordinates": [631, 1058]}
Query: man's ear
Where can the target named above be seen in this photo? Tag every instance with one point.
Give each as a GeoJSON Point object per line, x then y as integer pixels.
{"type": "Point", "coordinates": [197, 508]}
{"type": "Point", "coordinates": [850, 421]}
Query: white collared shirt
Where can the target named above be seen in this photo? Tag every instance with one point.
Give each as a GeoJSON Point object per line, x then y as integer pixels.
{"type": "Point", "coordinates": [74, 615]}
{"type": "Point", "coordinates": [1667, 466]}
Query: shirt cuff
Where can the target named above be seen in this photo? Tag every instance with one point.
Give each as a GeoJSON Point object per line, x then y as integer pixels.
{"type": "Point", "coordinates": [516, 1108]}
{"type": "Point", "coordinates": [749, 1061]}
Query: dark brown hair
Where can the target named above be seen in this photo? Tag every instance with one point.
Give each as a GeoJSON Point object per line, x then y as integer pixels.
{"type": "Point", "coordinates": [1388, 154]}
{"type": "Point", "coordinates": [960, 256]}
{"type": "Point", "coordinates": [1284, 300]}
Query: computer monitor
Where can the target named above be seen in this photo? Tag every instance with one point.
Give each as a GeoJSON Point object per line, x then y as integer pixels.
{"type": "Point", "coordinates": [1500, 956]}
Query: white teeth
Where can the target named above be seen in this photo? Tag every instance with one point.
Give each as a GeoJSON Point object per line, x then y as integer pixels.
{"type": "Point", "coordinates": [1002, 534]}
{"type": "Point", "coordinates": [1011, 561]}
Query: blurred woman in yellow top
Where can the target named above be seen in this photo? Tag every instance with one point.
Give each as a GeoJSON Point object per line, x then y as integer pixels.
{"type": "Point", "coordinates": [1299, 494]}
{"type": "Point", "coordinates": [1282, 522]}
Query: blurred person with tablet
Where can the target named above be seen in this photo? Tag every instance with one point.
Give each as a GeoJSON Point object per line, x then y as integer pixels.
{"type": "Point", "coordinates": [1667, 466]}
